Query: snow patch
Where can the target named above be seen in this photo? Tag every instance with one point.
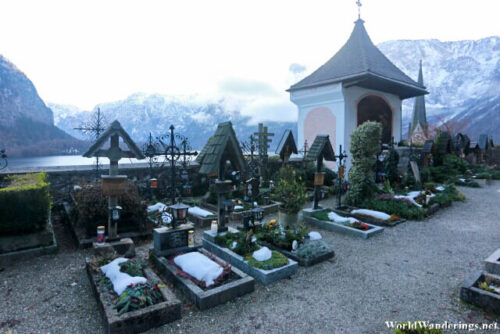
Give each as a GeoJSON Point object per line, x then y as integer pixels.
{"type": "Point", "coordinates": [262, 254]}
{"type": "Point", "coordinates": [120, 280]}
{"type": "Point", "coordinates": [372, 213]}
{"type": "Point", "coordinates": [199, 266]}
{"type": "Point", "coordinates": [313, 235]}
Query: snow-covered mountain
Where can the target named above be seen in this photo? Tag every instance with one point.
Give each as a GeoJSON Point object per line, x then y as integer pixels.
{"type": "Point", "coordinates": [462, 77]}
{"type": "Point", "coordinates": [193, 117]}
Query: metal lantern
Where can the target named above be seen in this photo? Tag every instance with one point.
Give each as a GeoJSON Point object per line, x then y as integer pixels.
{"type": "Point", "coordinates": [179, 213]}
{"type": "Point", "coordinates": [153, 183]}
{"type": "Point", "coordinates": [228, 206]}
{"type": "Point", "coordinates": [114, 212]}
{"type": "Point", "coordinates": [258, 214]}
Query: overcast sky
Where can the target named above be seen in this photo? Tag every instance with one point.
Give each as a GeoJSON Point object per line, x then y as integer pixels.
{"type": "Point", "coordinates": [88, 52]}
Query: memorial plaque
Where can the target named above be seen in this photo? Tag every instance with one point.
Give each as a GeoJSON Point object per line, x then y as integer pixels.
{"type": "Point", "coordinates": [168, 239]}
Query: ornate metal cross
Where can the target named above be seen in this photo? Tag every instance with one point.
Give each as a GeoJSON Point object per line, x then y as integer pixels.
{"type": "Point", "coordinates": [94, 128]}
{"type": "Point", "coordinates": [173, 153]}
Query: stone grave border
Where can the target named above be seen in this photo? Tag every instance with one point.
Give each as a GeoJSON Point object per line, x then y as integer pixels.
{"type": "Point", "coordinates": [492, 263]}
{"type": "Point", "coordinates": [472, 294]}
{"type": "Point", "coordinates": [35, 250]}
{"type": "Point", "coordinates": [139, 320]}
{"type": "Point", "coordinates": [208, 298]}
{"type": "Point", "coordinates": [265, 277]}
{"type": "Point", "coordinates": [336, 227]}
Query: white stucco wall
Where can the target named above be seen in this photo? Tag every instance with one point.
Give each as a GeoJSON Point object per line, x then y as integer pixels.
{"type": "Point", "coordinates": [343, 104]}
{"type": "Point", "coordinates": [329, 96]}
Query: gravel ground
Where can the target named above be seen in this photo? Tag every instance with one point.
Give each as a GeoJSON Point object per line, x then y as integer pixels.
{"type": "Point", "coordinates": [410, 272]}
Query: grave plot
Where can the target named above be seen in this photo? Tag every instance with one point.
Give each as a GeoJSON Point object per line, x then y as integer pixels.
{"type": "Point", "coordinates": [246, 256]}
{"type": "Point", "coordinates": [482, 290]}
{"type": "Point", "coordinates": [298, 243]}
{"type": "Point", "coordinates": [130, 309]}
{"type": "Point", "coordinates": [89, 209]}
{"type": "Point", "coordinates": [369, 216]}
{"type": "Point", "coordinates": [26, 227]}
{"type": "Point", "coordinates": [492, 263]}
{"type": "Point", "coordinates": [336, 221]}
{"type": "Point", "coordinates": [204, 278]}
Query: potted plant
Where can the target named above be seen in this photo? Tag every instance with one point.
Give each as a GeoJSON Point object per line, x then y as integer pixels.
{"type": "Point", "coordinates": [291, 192]}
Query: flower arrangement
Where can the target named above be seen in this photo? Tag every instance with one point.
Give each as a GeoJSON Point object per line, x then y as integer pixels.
{"type": "Point", "coordinates": [137, 296]}
{"type": "Point", "coordinates": [358, 225]}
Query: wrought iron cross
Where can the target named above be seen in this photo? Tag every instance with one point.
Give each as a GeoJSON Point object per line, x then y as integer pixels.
{"type": "Point", "coordinates": [341, 170]}
{"type": "Point", "coordinates": [173, 153]}
{"type": "Point", "coordinates": [93, 128]}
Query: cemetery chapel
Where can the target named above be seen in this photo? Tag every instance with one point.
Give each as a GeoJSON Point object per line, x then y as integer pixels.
{"type": "Point", "coordinates": [356, 85]}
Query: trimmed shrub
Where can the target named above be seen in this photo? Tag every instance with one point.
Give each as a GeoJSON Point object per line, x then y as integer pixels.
{"type": "Point", "coordinates": [91, 209]}
{"type": "Point", "coordinates": [24, 204]}
{"type": "Point", "coordinates": [365, 143]}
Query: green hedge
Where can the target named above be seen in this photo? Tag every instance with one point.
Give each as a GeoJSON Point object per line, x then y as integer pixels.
{"type": "Point", "coordinates": [24, 204]}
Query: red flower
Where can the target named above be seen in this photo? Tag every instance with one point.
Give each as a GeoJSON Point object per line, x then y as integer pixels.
{"type": "Point", "coordinates": [364, 226]}
{"type": "Point", "coordinates": [134, 300]}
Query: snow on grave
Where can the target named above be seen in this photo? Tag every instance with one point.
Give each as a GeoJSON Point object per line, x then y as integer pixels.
{"type": "Point", "coordinates": [199, 266]}
{"type": "Point", "coordinates": [196, 210]}
{"type": "Point", "coordinates": [372, 213]}
{"type": "Point", "coordinates": [119, 279]}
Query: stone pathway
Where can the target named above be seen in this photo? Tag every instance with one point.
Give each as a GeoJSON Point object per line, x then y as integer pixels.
{"type": "Point", "coordinates": [410, 272]}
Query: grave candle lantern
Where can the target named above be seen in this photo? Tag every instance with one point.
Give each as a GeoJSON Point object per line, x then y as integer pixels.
{"type": "Point", "coordinates": [153, 183]}
{"type": "Point", "coordinates": [258, 214]}
{"type": "Point", "coordinates": [179, 213]}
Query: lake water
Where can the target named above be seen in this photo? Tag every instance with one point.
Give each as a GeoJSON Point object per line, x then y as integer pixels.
{"type": "Point", "coordinates": [61, 160]}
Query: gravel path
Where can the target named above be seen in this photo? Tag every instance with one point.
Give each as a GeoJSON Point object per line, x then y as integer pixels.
{"type": "Point", "coordinates": [410, 272]}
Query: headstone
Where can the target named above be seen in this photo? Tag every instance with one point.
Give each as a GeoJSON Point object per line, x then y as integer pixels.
{"type": "Point", "coordinates": [404, 159]}
{"type": "Point", "coordinates": [169, 241]}
{"type": "Point", "coordinates": [416, 171]}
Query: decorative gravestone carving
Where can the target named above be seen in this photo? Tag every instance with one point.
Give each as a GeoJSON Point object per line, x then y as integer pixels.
{"type": "Point", "coordinates": [321, 149]}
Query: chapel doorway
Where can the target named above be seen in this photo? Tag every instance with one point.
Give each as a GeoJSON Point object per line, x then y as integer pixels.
{"type": "Point", "coordinates": [374, 108]}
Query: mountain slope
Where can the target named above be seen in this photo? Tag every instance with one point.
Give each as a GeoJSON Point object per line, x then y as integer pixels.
{"type": "Point", "coordinates": [142, 113]}
{"type": "Point", "coordinates": [462, 77]}
{"type": "Point", "coordinates": [26, 123]}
